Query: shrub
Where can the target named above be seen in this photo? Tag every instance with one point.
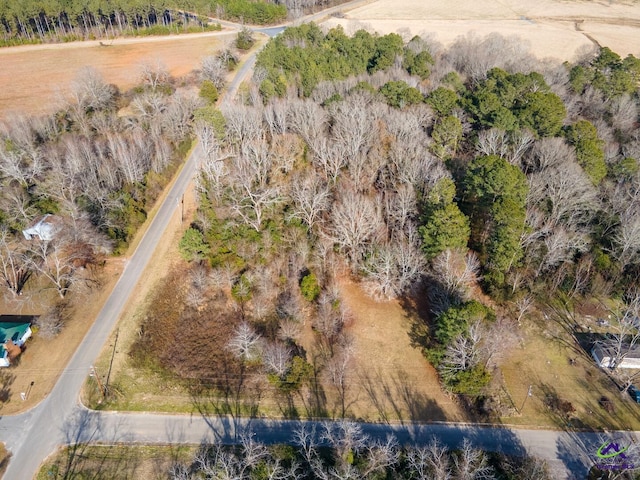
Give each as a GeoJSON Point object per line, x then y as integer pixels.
{"type": "Point", "coordinates": [51, 323]}
{"type": "Point", "coordinates": [469, 382]}
{"type": "Point", "coordinates": [607, 404]}
{"type": "Point", "coordinates": [245, 40]}
{"type": "Point", "coordinates": [192, 245]}
{"type": "Point", "coordinates": [309, 287]}
{"type": "Point", "coordinates": [209, 92]}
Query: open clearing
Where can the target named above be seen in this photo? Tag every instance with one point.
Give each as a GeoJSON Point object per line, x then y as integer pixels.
{"type": "Point", "coordinates": [34, 78]}
{"type": "Point", "coordinates": [552, 28]}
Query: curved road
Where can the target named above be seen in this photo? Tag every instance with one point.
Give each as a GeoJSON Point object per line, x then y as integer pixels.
{"type": "Point", "coordinates": [59, 419]}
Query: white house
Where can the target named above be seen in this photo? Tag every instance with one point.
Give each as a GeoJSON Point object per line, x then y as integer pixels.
{"type": "Point", "coordinates": [605, 357]}
{"type": "Point", "coordinates": [17, 333]}
{"type": "Point", "coordinates": [44, 229]}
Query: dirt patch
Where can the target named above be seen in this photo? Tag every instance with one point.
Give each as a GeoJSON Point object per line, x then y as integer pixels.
{"type": "Point", "coordinates": [392, 380]}
{"type": "Point", "coordinates": [35, 78]}
{"type": "Point", "coordinates": [549, 26]}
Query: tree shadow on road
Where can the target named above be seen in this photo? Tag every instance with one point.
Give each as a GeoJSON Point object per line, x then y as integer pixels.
{"type": "Point", "coordinates": [235, 396]}
{"type": "Point", "coordinates": [83, 458]}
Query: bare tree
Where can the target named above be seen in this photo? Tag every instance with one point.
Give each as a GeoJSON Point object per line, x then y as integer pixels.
{"type": "Point", "coordinates": [330, 318]}
{"type": "Point", "coordinates": [251, 204]}
{"type": "Point", "coordinates": [214, 69]}
{"type": "Point", "coordinates": [624, 336]}
{"type": "Point", "coordinates": [89, 91]}
{"type": "Point", "coordinates": [50, 324]}
{"type": "Point", "coordinates": [624, 114]}
{"type": "Point", "coordinates": [328, 156]}
{"type": "Point", "coordinates": [498, 339]}
{"type": "Point", "coordinates": [337, 370]}
{"type": "Point", "coordinates": [510, 147]}
{"type": "Point", "coordinates": [547, 153]}
{"type": "Point", "coordinates": [355, 222]}
{"type": "Point", "coordinates": [199, 282]}
{"type": "Point", "coordinates": [394, 267]}
{"type": "Point", "coordinates": [523, 304]}
{"type": "Point", "coordinates": [276, 117]}
{"type": "Point", "coordinates": [244, 342]}
{"type": "Point", "coordinates": [14, 263]}
{"type": "Point", "coordinates": [627, 236]}
{"type": "Point", "coordinates": [285, 149]}
{"type": "Point", "coordinates": [176, 121]}
{"type": "Point", "coordinates": [401, 209]}
{"type": "Point", "coordinates": [471, 464]}
{"type": "Point", "coordinates": [493, 141]}
{"type": "Point", "coordinates": [19, 165]}
{"type": "Point", "coordinates": [311, 197]}
{"type": "Point", "coordinates": [154, 73]}
{"type": "Point", "coordinates": [307, 119]}
{"type": "Point", "coordinates": [276, 357]}
{"type": "Point", "coordinates": [475, 56]}
{"type": "Point", "coordinates": [456, 271]}
{"type": "Point", "coordinates": [430, 462]}
{"type": "Point", "coordinates": [56, 260]}
{"type": "Point", "coordinates": [463, 353]}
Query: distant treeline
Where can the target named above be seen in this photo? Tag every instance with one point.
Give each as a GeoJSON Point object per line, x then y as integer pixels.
{"type": "Point", "coordinates": [36, 21]}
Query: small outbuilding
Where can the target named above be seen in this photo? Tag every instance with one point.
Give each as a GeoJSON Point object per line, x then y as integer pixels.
{"type": "Point", "coordinates": [605, 357]}
{"type": "Point", "coordinates": [12, 335]}
{"type": "Point", "coordinates": [43, 229]}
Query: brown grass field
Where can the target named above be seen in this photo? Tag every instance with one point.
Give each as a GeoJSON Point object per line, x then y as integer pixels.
{"type": "Point", "coordinates": [552, 28]}
{"type": "Point", "coordinates": [35, 78]}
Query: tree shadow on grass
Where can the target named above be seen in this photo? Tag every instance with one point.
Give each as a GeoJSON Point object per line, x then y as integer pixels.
{"type": "Point", "coordinates": [6, 381]}
{"type": "Point", "coordinates": [418, 314]}
{"type": "Point", "coordinates": [395, 399]}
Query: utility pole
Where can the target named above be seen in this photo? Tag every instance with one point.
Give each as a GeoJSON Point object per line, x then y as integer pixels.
{"type": "Point", "coordinates": [529, 394]}
{"type": "Point", "coordinates": [29, 390]}
{"type": "Point", "coordinates": [97, 377]}
{"type": "Point", "coordinates": [113, 354]}
{"type": "Point", "coordinates": [181, 205]}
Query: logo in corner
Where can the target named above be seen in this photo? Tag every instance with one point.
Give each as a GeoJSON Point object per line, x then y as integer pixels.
{"type": "Point", "coordinates": [606, 447]}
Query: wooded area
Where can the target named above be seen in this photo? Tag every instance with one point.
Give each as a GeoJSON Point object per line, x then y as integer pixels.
{"type": "Point", "coordinates": [396, 162]}
{"type": "Point", "coordinates": [93, 170]}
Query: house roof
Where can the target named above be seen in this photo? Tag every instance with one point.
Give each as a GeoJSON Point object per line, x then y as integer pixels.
{"type": "Point", "coordinates": [11, 331]}
{"type": "Point", "coordinates": [632, 353]}
{"type": "Point", "coordinates": [44, 227]}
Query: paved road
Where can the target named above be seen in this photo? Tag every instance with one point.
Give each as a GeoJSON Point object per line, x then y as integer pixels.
{"type": "Point", "coordinates": [570, 455]}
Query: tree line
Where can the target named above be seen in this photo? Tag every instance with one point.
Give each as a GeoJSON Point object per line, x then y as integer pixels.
{"type": "Point", "coordinates": [27, 21]}
{"type": "Point", "coordinates": [343, 451]}
{"type": "Point", "coordinates": [30, 21]}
